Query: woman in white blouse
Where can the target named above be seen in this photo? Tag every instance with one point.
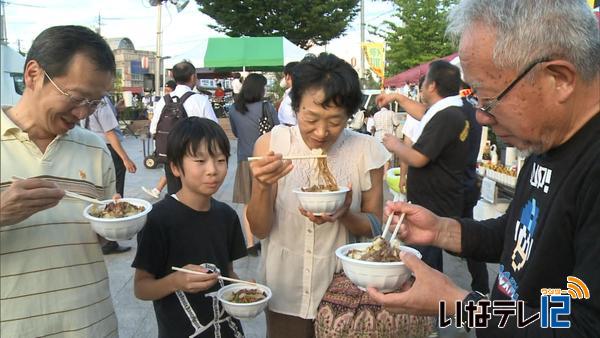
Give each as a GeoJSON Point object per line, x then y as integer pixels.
{"type": "Point", "coordinates": [298, 248]}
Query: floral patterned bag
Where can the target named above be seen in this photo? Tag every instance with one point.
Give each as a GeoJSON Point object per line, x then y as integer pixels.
{"type": "Point", "coordinates": [347, 311]}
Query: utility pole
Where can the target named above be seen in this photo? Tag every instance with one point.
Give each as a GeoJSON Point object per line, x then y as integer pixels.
{"type": "Point", "coordinates": [158, 62]}
{"type": "Point", "coordinates": [99, 24]}
{"type": "Point", "coordinates": [3, 39]}
{"type": "Point", "coordinates": [362, 39]}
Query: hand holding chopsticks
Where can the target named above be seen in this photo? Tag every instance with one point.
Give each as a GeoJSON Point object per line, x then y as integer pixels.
{"type": "Point", "coordinates": [219, 277]}
{"type": "Point", "coordinates": [389, 221]}
{"type": "Point", "coordinates": [71, 194]}
{"type": "Point", "coordinates": [291, 157]}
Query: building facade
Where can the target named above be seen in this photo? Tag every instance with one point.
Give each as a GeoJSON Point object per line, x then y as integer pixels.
{"type": "Point", "coordinates": [135, 68]}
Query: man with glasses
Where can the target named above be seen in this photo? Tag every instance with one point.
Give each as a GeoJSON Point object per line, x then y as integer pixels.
{"type": "Point", "coordinates": [534, 65]}
{"type": "Point", "coordinates": [53, 279]}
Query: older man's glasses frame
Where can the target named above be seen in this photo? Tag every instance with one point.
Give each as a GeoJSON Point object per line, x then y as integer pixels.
{"type": "Point", "coordinates": [493, 102]}
{"type": "Point", "coordinates": [92, 105]}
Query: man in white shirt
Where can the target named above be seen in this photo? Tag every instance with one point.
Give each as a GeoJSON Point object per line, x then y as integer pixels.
{"type": "Point", "coordinates": [285, 113]}
{"type": "Point", "coordinates": [199, 105]}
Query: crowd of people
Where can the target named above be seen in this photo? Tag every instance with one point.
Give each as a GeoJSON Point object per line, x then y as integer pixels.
{"type": "Point", "coordinates": [537, 86]}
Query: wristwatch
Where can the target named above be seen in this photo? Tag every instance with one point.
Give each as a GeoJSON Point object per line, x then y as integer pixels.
{"type": "Point", "coordinates": [475, 297]}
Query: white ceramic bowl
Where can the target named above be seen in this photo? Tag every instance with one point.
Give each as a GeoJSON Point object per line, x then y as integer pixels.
{"type": "Point", "coordinates": [384, 276]}
{"type": "Point", "coordinates": [322, 202]}
{"type": "Point", "coordinates": [243, 310]}
{"type": "Point", "coordinates": [118, 229]}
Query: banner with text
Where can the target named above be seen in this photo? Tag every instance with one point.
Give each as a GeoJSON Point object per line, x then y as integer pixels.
{"type": "Point", "coordinates": [375, 55]}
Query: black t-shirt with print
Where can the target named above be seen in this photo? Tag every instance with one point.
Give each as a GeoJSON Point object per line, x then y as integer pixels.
{"type": "Point", "coordinates": [550, 231]}
{"type": "Point", "coordinates": [176, 235]}
{"type": "Point", "coordinates": [439, 185]}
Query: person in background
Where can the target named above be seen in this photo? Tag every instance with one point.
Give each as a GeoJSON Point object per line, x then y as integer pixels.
{"type": "Point", "coordinates": [438, 158]}
{"type": "Point", "coordinates": [219, 92]}
{"type": "Point", "coordinates": [162, 182]}
{"type": "Point", "coordinates": [297, 260]}
{"type": "Point", "coordinates": [286, 113]}
{"type": "Point", "coordinates": [478, 270]}
{"type": "Point", "coordinates": [199, 105]}
{"type": "Point", "coordinates": [104, 123]}
{"type": "Point", "coordinates": [54, 280]}
{"type": "Point", "coordinates": [191, 229]}
{"type": "Point", "coordinates": [538, 87]}
{"type": "Point", "coordinates": [236, 84]}
{"type": "Point", "coordinates": [170, 86]}
{"type": "Point", "coordinates": [245, 116]}
{"type": "Point", "coordinates": [410, 126]}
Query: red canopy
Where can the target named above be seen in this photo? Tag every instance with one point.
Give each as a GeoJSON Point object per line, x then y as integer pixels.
{"type": "Point", "coordinates": [413, 74]}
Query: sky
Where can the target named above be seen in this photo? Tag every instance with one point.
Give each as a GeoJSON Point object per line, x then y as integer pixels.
{"type": "Point", "coordinates": [183, 32]}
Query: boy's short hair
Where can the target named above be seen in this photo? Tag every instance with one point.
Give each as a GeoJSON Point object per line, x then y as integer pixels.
{"type": "Point", "coordinates": [187, 135]}
{"type": "Point", "coordinates": [336, 77]}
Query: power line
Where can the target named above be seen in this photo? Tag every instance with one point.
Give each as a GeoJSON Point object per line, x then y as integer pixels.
{"type": "Point", "coordinates": [22, 4]}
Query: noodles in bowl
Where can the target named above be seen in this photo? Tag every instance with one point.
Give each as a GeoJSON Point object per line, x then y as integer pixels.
{"type": "Point", "coordinates": [120, 220]}
{"type": "Point", "coordinates": [244, 301]}
{"type": "Point", "coordinates": [321, 195]}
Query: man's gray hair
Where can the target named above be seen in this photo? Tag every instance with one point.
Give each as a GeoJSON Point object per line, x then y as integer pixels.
{"type": "Point", "coordinates": [527, 30]}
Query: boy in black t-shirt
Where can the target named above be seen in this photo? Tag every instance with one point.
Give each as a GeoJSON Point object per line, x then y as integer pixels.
{"type": "Point", "coordinates": [188, 229]}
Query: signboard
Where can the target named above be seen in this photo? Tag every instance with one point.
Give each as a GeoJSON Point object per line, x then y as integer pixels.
{"type": "Point", "coordinates": [136, 67]}
{"type": "Point", "coordinates": [375, 53]}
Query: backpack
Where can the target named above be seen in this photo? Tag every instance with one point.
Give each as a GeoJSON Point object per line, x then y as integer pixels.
{"type": "Point", "coordinates": [172, 112]}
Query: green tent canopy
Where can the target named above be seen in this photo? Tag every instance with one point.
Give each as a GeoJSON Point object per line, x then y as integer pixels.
{"type": "Point", "coordinates": [249, 53]}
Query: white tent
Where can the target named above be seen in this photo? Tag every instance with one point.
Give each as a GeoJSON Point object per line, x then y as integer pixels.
{"type": "Point", "coordinates": [11, 71]}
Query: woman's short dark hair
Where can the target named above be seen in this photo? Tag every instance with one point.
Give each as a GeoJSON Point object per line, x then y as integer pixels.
{"type": "Point", "coordinates": [289, 68]}
{"type": "Point", "coordinates": [327, 72]}
{"type": "Point", "coordinates": [55, 47]}
{"type": "Point", "coordinates": [253, 90]}
{"type": "Point", "coordinates": [446, 77]}
{"type": "Point", "coordinates": [187, 135]}
{"type": "Point", "coordinates": [183, 71]}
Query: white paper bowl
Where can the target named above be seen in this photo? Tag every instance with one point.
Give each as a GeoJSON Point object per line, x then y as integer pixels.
{"type": "Point", "coordinates": [384, 276]}
{"type": "Point", "coordinates": [243, 310]}
{"type": "Point", "coordinates": [322, 202]}
{"type": "Point", "coordinates": [118, 229]}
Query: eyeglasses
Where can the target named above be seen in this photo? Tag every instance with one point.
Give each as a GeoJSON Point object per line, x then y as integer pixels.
{"type": "Point", "coordinates": [493, 102]}
{"type": "Point", "coordinates": [78, 101]}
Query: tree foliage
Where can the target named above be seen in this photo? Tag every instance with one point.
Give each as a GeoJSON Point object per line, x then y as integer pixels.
{"type": "Point", "coordinates": [305, 23]}
{"type": "Point", "coordinates": [420, 37]}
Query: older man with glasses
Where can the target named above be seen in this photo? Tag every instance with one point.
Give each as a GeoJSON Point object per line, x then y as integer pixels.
{"type": "Point", "coordinates": [53, 279]}
{"type": "Point", "coordinates": [534, 65]}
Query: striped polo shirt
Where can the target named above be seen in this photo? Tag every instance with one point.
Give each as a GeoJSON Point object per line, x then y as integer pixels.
{"type": "Point", "coordinates": [53, 280]}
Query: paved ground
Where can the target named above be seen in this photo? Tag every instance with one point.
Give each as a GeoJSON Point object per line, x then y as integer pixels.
{"type": "Point", "coordinates": [136, 317]}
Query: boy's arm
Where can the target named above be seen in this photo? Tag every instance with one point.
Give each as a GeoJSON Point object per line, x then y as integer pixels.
{"type": "Point", "coordinates": [147, 287]}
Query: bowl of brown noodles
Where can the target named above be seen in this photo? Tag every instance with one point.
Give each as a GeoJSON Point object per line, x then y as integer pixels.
{"type": "Point", "coordinates": [321, 195]}
{"type": "Point", "coordinates": [118, 220]}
